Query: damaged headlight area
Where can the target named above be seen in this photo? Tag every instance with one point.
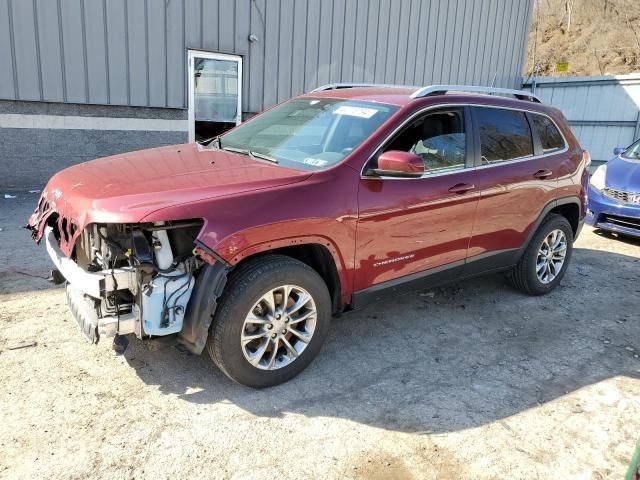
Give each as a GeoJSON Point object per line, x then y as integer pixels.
{"type": "Point", "coordinates": [129, 279]}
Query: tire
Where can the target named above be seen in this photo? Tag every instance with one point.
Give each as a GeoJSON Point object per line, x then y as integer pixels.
{"type": "Point", "coordinates": [246, 290]}
{"type": "Point", "coordinates": [524, 275]}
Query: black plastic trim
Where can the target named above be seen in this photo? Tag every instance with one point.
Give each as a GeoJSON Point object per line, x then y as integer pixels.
{"type": "Point", "coordinates": [202, 306]}
{"type": "Point", "coordinates": [452, 272]}
{"type": "Point", "coordinates": [218, 258]}
{"type": "Point", "coordinates": [408, 283]}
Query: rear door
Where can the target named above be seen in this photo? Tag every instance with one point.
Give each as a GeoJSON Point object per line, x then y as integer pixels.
{"type": "Point", "coordinates": [516, 178]}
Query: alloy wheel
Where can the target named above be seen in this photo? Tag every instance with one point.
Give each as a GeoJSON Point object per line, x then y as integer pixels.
{"type": "Point", "coordinates": [551, 256]}
{"type": "Point", "coordinates": [279, 327]}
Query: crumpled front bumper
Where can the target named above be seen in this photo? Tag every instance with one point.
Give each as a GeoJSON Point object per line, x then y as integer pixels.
{"type": "Point", "coordinates": [94, 284]}
{"type": "Point", "coordinates": [84, 289]}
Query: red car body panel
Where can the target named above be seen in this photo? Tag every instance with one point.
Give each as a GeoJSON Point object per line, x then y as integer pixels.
{"type": "Point", "coordinates": [375, 230]}
{"type": "Point", "coordinates": [321, 209]}
{"type": "Point", "coordinates": [407, 226]}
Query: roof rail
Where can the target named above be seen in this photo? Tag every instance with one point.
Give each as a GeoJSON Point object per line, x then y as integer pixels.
{"type": "Point", "coordinates": [442, 89]}
{"type": "Point", "coordinates": [336, 86]}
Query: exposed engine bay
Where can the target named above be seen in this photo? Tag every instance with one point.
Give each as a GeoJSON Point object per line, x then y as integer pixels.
{"type": "Point", "coordinates": [130, 279]}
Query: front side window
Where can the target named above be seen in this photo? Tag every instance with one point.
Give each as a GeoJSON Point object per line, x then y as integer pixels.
{"type": "Point", "coordinates": [309, 133]}
{"type": "Point", "coordinates": [504, 135]}
{"type": "Point", "coordinates": [550, 138]}
{"type": "Point", "coordinates": [438, 137]}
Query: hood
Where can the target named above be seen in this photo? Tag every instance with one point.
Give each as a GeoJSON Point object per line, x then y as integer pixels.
{"type": "Point", "coordinates": [128, 187]}
{"type": "Point", "coordinates": [623, 174]}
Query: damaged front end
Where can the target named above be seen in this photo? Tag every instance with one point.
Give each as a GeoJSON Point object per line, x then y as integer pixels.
{"type": "Point", "coordinates": [128, 278]}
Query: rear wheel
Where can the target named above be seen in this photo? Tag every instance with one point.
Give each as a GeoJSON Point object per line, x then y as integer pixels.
{"type": "Point", "coordinates": [546, 258]}
{"type": "Point", "coordinates": [271, 322]}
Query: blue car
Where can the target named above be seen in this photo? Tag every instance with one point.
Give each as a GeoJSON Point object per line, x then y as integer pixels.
{"type": "Point", "coordinates": [614, 193]}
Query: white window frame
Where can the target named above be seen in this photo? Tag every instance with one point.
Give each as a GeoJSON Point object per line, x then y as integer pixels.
{"type": "Point", "coordinates": [191, 54]}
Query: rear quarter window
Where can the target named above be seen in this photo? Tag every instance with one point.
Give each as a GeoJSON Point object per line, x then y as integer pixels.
{"type": "Point", "coordinates": [550, 137]}
{"type": "Point", "coordinates": [504, 135]}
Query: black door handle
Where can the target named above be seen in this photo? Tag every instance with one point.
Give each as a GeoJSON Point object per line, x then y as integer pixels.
{"type": "Point", "coordinates": [544, 173]}
{"type": "Point", "coordinates": [462, 187]}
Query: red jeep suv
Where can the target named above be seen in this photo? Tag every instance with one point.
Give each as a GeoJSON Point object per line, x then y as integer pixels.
{"type": "Point", "coordinates": [247, 246]}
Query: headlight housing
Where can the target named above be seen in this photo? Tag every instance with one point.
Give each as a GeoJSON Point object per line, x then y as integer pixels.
{"type": "Point", "coordinates": [597, 180]}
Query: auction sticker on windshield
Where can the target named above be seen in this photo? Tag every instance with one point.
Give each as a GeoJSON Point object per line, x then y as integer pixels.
{"type": "Point", "coordinates": [352, 111]}
{"type": "Point", "coordinates": [316, 162]}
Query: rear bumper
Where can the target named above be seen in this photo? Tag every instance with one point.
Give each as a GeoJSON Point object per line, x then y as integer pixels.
{"type": "Point", "coordinates": [611, 215]}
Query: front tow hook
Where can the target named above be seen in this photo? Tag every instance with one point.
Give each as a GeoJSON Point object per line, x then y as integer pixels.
{"type": "Point", "coordinates": [56, 277]}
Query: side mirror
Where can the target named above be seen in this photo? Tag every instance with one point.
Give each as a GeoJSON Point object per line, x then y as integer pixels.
{"type": "Point", "coordinates": [396, 163]}
{"type": "Point", "coordinates": [619, 150]}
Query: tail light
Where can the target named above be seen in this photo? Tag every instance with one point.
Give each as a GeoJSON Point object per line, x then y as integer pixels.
{"type": "Point", "coordinates": [586, 157]}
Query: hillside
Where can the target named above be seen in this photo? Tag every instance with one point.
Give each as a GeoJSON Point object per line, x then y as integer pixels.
{"type": "Point", "coordinates": [595, 37]}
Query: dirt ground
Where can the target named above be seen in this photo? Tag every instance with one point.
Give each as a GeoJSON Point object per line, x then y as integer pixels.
{"type": "Point", "coordinates": [474, 380]}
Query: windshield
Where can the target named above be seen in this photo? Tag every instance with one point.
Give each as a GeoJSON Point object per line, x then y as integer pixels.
{"type": "Point", "coordinates": [308, 133]}
{"type": "Point", "coordinates": [633, 152]}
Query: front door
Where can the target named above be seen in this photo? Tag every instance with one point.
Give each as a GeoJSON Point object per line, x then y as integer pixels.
{"type": "Point", "coordinates": [215, 93]}
{"type": "Point", "coordinates": [411, 227]}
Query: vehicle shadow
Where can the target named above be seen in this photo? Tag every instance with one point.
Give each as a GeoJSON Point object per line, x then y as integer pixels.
{"type": "Point", "coordinates": [452, 358]}
{"type": "Point", "coordinates": [619, 237]}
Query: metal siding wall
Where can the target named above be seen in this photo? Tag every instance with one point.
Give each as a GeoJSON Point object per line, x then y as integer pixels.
{"type": "Point", "coordinates": [96, 55]}
{"type": "Point", "coordinates": [285, 49]}
{"type": "Point", "coordinates": [117, 51]}
{"type": "Point", "coordinates": [73, 45]}
{"type": "Point", "coordinates": [299, 14]}
{"type": "Point", "coordinates": [138, 57]}
{"type": "Point", "coordinates": [176, 63]}
{"type": "Point", "coordinates": [327, 20]}
{"type": "Point", "coordinates": [133, 52]}
{"type": "Point", "coordinates": [604, 112]}
{"type": "Point", "coordinates": [50, 51]}
{"type": "Point", "coordinates": [7, 89]}
{"type": "Point", "coordinates": [157, 52]}
{"type": "Point", "coordinates": [25, 48]}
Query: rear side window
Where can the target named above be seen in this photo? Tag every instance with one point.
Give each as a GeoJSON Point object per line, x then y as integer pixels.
{"type": "Point", "coordinates": [550, 138]}
{"type": "Point", "coordinates": [504, 135]}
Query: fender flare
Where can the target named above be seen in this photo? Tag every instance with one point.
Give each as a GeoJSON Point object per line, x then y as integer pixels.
{"type": "Point", "coordinates": [202, 306]}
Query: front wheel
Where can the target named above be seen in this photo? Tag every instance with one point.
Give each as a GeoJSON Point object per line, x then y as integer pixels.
{"type": "Point", "coordinates": [546, 258]}
{"type": "Point", "coordinates": [271, 322]}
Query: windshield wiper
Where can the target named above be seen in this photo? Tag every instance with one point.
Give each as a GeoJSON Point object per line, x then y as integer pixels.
{"type": "Point", "coordinates": [213, 142]}
{"type": "Point", "coordinates": [253, 155]}
{"type": "Point", "coordinates": [262, 156]}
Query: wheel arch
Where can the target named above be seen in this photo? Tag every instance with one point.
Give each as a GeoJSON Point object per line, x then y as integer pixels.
{"type": "Point", "coordinates": [318, 253]}
{"type": "Point", "coordinates": [564, 206]}
{"type": "Point", "coordinates": [571, 211]}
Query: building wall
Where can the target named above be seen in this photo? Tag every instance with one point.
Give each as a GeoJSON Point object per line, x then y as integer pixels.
{"type": "Point", "coordinates": [39, 138]}
{"type": "Point", "coordinates": [133, 53]}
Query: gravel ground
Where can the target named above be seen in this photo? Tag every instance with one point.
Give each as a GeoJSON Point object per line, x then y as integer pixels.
{"type": "Point", "coordinates": [473, 380]}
